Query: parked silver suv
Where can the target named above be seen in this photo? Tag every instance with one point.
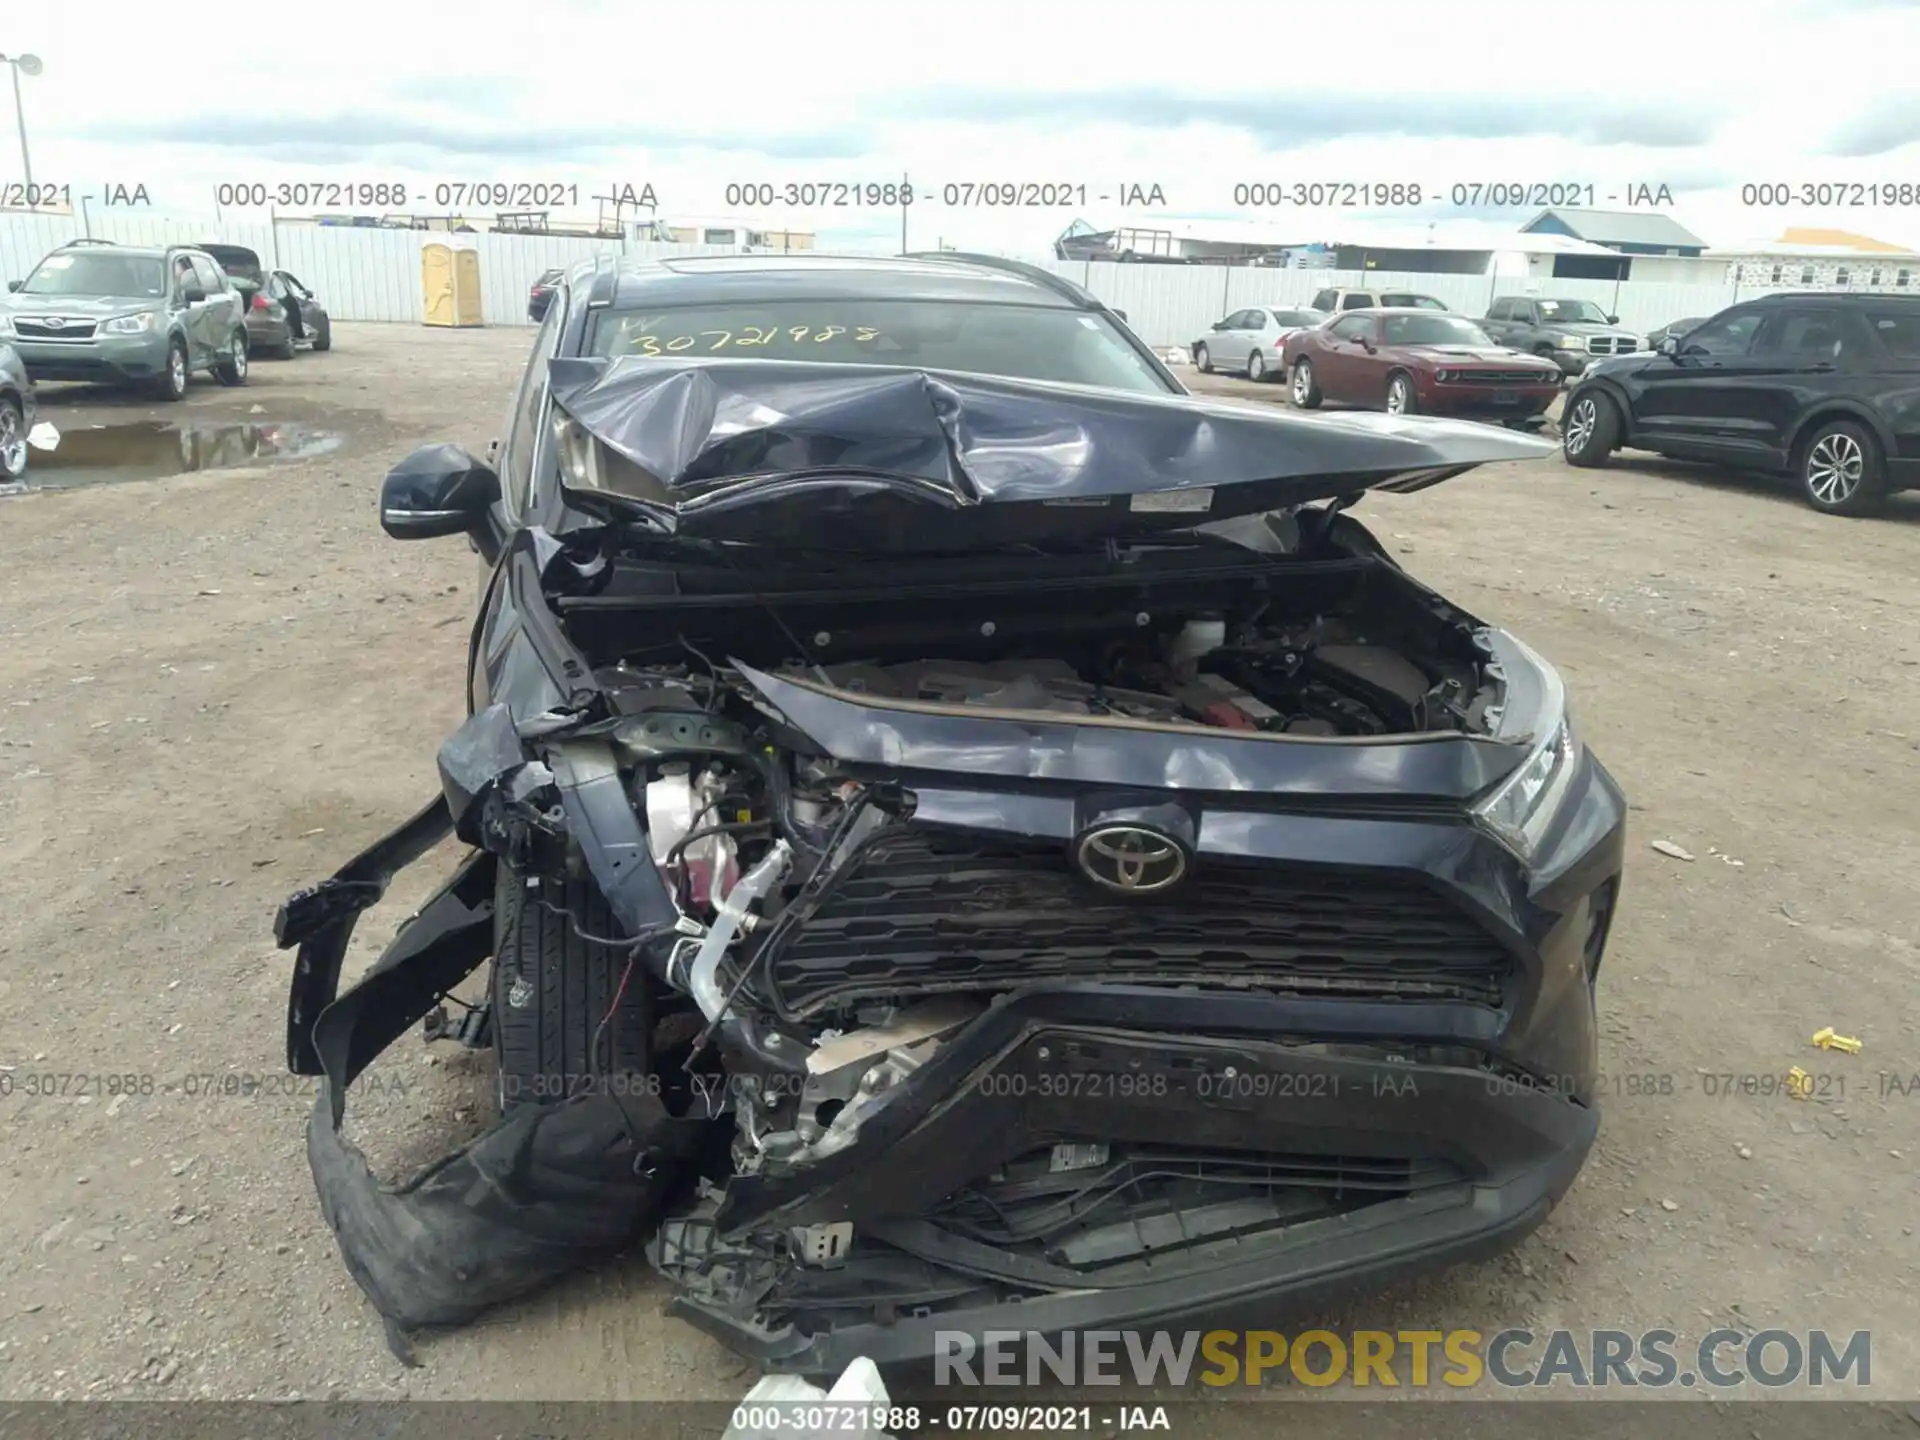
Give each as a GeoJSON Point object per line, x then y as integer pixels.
{"type": "Point", "coordinates": [127, 315]}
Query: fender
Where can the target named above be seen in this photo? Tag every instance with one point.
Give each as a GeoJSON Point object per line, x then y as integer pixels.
{"type": "Point", "coordinates": [1833, 409]}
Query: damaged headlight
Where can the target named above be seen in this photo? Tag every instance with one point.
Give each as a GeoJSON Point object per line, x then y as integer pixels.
{"type": "Point", "coordinates": [1521, 808]}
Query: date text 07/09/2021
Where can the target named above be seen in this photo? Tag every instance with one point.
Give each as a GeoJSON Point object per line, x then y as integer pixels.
{"type": "Point", "coordinates": [443, 195]}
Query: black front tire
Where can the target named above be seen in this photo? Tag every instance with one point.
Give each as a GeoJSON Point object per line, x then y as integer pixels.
{"type": "Point", "coordinates": [1840, 469]}
{"type": "Point", "coordinates": [1589, 429]}
{"type": "Point", "coordinates": [172, 384]}
{"type": "Point", "coordinates": [1203, 359]}
{"type": "Point", "coordinates": [323, 335]}
{"type": "Point", "coordinates": [1401, 384]}
{"type": "Point", "coordinates": [233, 369]}
{"type": "Point", "coordinates": [565, 986]}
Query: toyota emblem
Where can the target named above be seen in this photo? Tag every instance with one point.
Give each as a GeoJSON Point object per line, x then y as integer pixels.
{"type": "Point", "coordinates": [1131, 860]}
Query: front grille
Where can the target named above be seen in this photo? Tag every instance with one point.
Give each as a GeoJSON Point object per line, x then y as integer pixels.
{"type": "Point", "coordinates": [1494, 377]}
{"type": "Point", "coordinates": [40, 329]}
{"type": "Point", "coordinates": [942, 911]}
{"type": "Point", "coordinates": [1612, 345]}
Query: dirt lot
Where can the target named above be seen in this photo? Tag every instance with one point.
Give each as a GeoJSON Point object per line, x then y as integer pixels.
{"type": "Point", "coordinates": [216, 687]}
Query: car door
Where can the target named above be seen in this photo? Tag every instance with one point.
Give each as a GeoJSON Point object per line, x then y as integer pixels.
{"type": "Point", "coordinates": [219, 312]}
{"type": "Point", "coordinates": [1696, 403]}
{"type": "Point", "coordinates": [1231, 350]}
{"type": "Point", "coordinates": [1502, 318]}
{"type": "Point", "coordinates": [1345, 360]}
{"type": "Point", "coordinates": [191, 313]}
{"type": "Point", "coordinates": [1803, 355]}
{"type": "Point", "coordinates": [311, 310]}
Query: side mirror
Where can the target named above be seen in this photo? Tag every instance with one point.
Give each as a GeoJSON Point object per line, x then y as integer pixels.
{"type": "Point", "coordinates": [1670, 345]}
{"type": "Point", "coordinates": [1613, 319]}
{"type": "Point", "coordinates": [1123, 316]}
{"type": "Point", "coordinates": [192, 295]}
{"type": "Point", "coordinates": [1219, 324]}
{"type": "Point", "coordinates": [13, 285]}
{"type": "Point", "coordinates": [437, 490]}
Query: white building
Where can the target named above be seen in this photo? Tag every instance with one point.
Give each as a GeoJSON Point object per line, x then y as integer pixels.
{"type": "Point", "coordinates": [1818, 260]}
{"type": "Point", "coordinates": [1453, 247]}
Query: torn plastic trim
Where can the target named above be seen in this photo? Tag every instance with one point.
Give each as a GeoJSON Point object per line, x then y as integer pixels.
{"type": "Point", "coordinates": [543, 1192]}
{"type": "Point", "coordinates": [320, 922]}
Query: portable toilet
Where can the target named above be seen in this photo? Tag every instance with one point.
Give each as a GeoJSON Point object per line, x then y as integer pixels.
{"type": "Point", "coordinates": [450, 283]}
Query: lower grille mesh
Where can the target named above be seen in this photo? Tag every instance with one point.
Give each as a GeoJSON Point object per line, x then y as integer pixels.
{"type": "Point", "coordinates": [948, 911]}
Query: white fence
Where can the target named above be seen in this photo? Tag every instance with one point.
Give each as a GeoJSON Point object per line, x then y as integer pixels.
{"type": "Point", "coordinates": [368, 274]}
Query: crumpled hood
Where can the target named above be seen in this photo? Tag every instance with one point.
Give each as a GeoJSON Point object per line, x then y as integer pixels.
{"type": "Point", "coordinates": [867, 457]}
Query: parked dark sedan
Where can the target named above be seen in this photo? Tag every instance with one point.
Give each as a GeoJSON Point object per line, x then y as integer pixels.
{"type": "Point", "coordinates": [541, 295]}
{"type": "Point", "coordinates": [1675, 328]}
{"type": "Point", "coordinates": [1418, 361]}
{"type": "Point", "coordinates": [937, 782]}
{"type": "Point", "coordinates": [282, 315]}
{"type": "Point", "coordinates": [1822, 388]}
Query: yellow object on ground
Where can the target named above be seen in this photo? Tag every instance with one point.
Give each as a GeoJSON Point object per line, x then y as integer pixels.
{"type": "Point", "coordinates": [1827, 1040]}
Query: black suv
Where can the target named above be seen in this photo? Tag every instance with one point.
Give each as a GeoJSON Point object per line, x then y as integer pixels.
{"type": "Point", "coordinates": [967, 835]}
{"type": "Point", "coordinates": [1825, 388]}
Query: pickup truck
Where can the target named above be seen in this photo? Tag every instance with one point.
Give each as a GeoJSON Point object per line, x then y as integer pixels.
{"type": "Point", "coordinates": [1329, 301]}
{"type": "Point", "coordinates": [1571, 333]}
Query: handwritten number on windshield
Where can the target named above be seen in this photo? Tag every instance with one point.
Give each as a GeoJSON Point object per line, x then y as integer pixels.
{"type": "Point", "coordinates": [749, 336]}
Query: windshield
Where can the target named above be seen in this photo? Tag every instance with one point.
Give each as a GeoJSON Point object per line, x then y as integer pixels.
{"type": "Point", "coordinates": [95, 274]}
{"type": "Point", "coordinates": [1432, 330]}
{"type": "Point", "coordinates": [1411, 302]}
{"type": "Point", "coordinates": [1572, 312]}
{"type": "Point", "coordinates": [1019, 341]}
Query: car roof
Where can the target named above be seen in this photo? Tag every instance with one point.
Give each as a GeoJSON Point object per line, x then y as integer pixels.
{"type": "Point", "coordinates": [700, 279]}
{"type": "Point", "coordinates": [144, 252]}
{"type": "Point", "coordinates": [1838, 297]}
{"type": "Point", "coordinates": [1409, 310]}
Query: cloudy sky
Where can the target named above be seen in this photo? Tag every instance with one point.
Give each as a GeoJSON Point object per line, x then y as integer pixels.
{"type": "Point", "coordinates": [1702, 96]}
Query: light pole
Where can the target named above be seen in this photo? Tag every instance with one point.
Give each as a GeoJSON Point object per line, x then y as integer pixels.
{"type": "Point", "coordinates": [30, 64]}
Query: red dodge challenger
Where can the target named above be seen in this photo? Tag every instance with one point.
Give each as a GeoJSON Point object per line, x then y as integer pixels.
{"type": "Point", "coordinates": [1411, 362]}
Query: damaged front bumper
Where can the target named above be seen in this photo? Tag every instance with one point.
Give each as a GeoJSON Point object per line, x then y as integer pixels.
{"type": "Point", "coordinates": [540, 1194]}
{"type": "Point", "coordinates": [1360, 1139]}
{"type": "Point", "coordinates": [1399, 1107]}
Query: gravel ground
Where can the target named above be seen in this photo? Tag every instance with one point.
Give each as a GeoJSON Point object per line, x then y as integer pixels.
{"type": "Point", "coordinates": [214, 688]}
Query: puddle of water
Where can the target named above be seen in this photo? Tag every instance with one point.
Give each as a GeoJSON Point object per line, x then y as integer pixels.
{"type": "Point", "coordinates": [152, 449]}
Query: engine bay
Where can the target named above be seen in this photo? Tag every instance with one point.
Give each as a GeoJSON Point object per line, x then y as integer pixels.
{"type": "Point", "coordinates": [1317, 679]}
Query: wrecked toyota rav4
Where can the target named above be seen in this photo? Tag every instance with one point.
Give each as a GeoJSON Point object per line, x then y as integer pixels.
{"type": "Point", "coordinates": [967, 836]}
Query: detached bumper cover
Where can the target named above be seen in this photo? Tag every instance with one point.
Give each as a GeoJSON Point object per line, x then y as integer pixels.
{"type": "Point", "coordinates": [542, 1193]}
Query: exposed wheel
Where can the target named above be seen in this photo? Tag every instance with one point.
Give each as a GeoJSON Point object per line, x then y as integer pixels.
{"type": "Point", "coordinates": [1203, 359]}
{"type": "Point", "coordinates": [173, 380]}
{"type": "Point", "coordinates": [553, 988]}
{"type": "Point", "coordinates": [1306, 389]}
{"type": "Point", "coordinates": [233, 369]}
{"type": "Point", "coordinates": [323, 334]}
{"type": "Point", "coordinates": [1401, 399]}
{"type": "Point", "coordinates": [1590, 430]}
{"type": "Point", "coordinates": [13, 441]}
{"type": "Point", "coordinates": [1256, 367]}
{"type": "Point", "coordinates": [1841, 471]}
{"type": "Point", "coordinates": [284, 350]}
